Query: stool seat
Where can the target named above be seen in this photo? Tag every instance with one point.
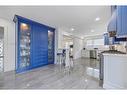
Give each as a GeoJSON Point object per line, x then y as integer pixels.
{"type": "Point", "coordinates": [59, 53]}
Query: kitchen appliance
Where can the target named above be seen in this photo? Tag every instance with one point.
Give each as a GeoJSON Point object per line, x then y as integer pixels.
{"type": "Point", "coordinates": [93, 54]}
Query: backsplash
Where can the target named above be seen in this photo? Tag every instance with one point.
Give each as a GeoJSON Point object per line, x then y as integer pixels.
{"type": "Point", "coordinates": [121, 47]}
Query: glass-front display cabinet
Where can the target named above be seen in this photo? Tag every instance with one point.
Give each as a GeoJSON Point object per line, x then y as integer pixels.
{"type": "Point", "coordinates": [34, 44]}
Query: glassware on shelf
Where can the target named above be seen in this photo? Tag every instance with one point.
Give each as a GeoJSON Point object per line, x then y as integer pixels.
{"type": "Point", "coordinates": [24, 62]}
{"type": "Point", "coordinates": [1, 43]}
{"type": "Point", "coordinates": [1, 51]}
{"type": "Point", "coordinates": [1, 47]}
{"type": "Point", "coordinates": [50, 46]}
{"type": "Point", "coordinates": [22, 65]}
{"type": "Point", "coordinates": [1, 64]}
{"type": "Point", "coordinates": [24, 45]}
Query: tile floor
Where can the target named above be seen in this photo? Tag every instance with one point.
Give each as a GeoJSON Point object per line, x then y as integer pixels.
{"type": "Point", "coordinates": [83, 75]}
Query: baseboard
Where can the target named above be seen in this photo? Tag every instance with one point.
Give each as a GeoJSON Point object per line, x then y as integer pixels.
{"type": "Point", "coordinates": [77, 58]}
{"type": "Point", "coordinates": [110, 85]}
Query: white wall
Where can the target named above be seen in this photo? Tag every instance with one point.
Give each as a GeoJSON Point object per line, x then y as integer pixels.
{"type": "Point", "coordinates": [9, 44]}
{"type": "Point", "coordinates": [60, 37]}
{"type": "Point", "coordinates": [78, 46]}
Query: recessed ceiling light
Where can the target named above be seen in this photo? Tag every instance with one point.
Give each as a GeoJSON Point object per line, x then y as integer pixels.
{"type": "Point", "coordinates": [82, 37]}
{"type": "Point", "coordinates": [97, 19]}
{"type": "Point", "coordinates": [92, 30]}
{"type": "Point", "coordinates": [72, 29]}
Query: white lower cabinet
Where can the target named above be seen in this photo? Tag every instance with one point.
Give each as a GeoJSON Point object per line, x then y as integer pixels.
{"type": "Point", "coordinates": [85, 53]}
{"type": "Point", "coordinates": [115, 69]}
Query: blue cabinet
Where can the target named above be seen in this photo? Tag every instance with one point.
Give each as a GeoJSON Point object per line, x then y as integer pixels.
{"type": "Point", "coordinates": [121, 21]}
{"type": "Point", "coordinates": [35, 44]}
{"type": "Point", "coordinates": [110, 40]}
{"type": "Point", "coordinates": [117, 40]}
{"type": "Point", "coordinates": [112, 26]}
{"type": "Point", "coordinates": [106, 39]}
{"type": "Point", "coordinates": [118, 24]}
{"type": "Point", "coordinates": [39, 45]}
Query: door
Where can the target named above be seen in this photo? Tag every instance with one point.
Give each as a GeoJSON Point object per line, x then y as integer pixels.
{"type": "Point", "coordinates": [24, 46]}
{"type": "Point", "coordinates": [39, 45]}
{"type": "Point", "coordinates": [51, 46]}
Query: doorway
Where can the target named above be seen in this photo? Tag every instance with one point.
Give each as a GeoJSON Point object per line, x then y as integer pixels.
{"type": "Point", "coordinates": [68, 44]}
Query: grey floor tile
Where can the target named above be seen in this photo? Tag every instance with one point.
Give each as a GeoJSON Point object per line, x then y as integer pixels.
{"type": "Point", "coordinates": [55, 77]}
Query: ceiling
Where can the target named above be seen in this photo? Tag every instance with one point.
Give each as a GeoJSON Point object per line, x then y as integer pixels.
{"type": "Point", "coordinates": [81, 18]}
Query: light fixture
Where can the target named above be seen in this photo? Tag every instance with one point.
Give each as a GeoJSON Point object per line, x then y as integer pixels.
{"type": "Point", "coordinates": [97, 18]}
{"type": "Point", "coordinates": [72, 29]}
{"type": "Point", "coordinates": [24, 26]}
{"type": "Point", "coordinates": [92, 30]}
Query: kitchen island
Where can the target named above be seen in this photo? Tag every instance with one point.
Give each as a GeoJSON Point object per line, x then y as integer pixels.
{"type": "Point", "coordinates": [115, 71]}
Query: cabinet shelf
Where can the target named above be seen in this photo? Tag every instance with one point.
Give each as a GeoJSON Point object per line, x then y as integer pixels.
{"type": "Point", "coordinates": [25, 55]}
{"type": "Point", "coordinates": [1, 56]}
{"type": "Point", "coordinates": [25, 48]}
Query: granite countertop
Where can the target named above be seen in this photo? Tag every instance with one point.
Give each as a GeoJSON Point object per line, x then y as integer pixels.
{"type": "Point", "coordinates": [110, 54]}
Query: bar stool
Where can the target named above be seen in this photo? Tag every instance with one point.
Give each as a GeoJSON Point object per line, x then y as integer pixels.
{"type": "Point", "coordinates": [59, 58]}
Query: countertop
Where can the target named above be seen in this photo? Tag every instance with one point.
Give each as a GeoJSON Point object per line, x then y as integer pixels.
{"type": "Point", "coordinates": [110, 54]}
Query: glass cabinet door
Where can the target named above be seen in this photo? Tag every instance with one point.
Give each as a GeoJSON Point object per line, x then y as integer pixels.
{"type": "Point", "coordinates": [24, 40]}
{"type": "Point", "coordinates": [1, 56]}
{"type": "Point", "coordinates": [1, 48]}
{"type": "Point", "coordinates": [50, 47]}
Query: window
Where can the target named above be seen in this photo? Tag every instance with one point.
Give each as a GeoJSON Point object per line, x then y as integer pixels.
{"type": "Point", "coordinates": [95, 42]}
